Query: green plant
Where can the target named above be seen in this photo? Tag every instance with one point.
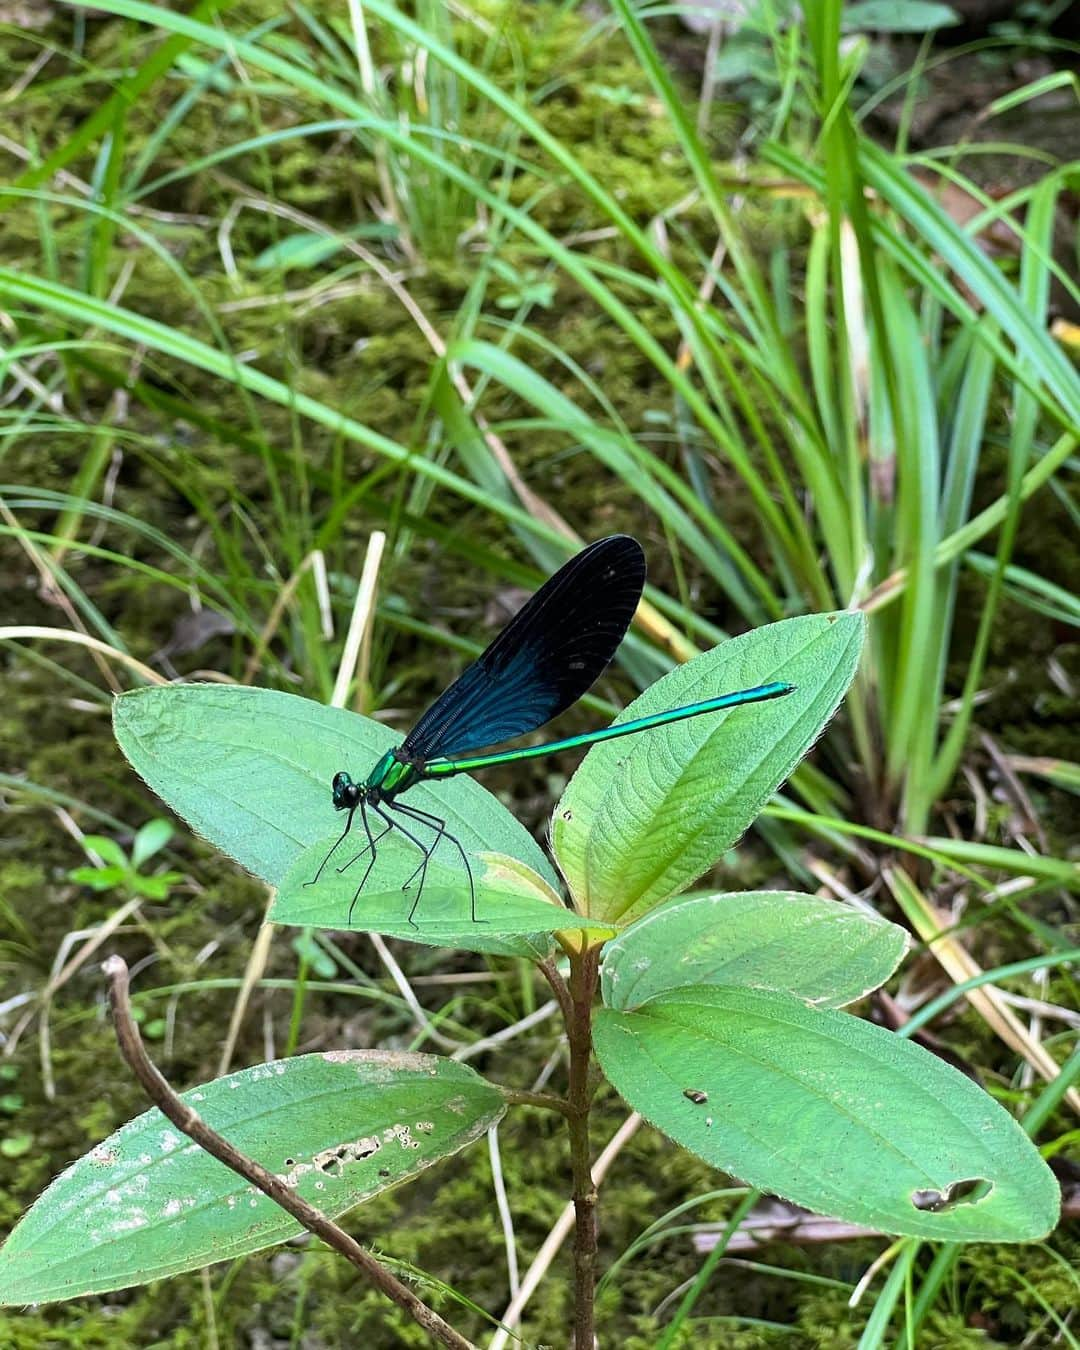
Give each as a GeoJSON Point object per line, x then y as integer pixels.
{"type": "Point", "coordinates": [116, 871]}
{"type": "Point", "coordinates": [719, 1015]}
{"type": "Point", "coordinates": [15, 1142]}
{"type": "Point", "coordinates": [762, 55]}
{"type": "Point", "coordinates": [807, 377]}
{"type": "Point", "coordinates": [854, 423]}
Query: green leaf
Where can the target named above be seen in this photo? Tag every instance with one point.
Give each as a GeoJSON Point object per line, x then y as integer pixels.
{"type": "Point", "coordinates": [818, 950]}
{"type": "Point", "coordinates": [308, 249]}
{"type": "Point", "coordinates": [213, 77]}
{"type": "Point", "coordinates": [151, 839]}
{"type": "Point", "coordinates": [16, 1146]}
{"type": "Point", "coordinates": [250, 770]}
{"type": "Point", "coordinates": [155, 888]}
{"type": "Point", "coordinates": [146, 1203]}
{"type": "Point", "coordinates": [515, 908]}
{"type": "Point", "coordinates": [318, 960]}
{"type": "Point", "coordinates": [108, 850]}
{"type": "Point", "coordinates": [828, 1111]}
{"type": "Point", "coordinates": [1014, 861]}
{"type": "Point", "coordinates": [643, 817]}
{"type": "Point", "coordinates": [1063, 773]}
{"type": "Point", "coordinates": [99, 878]}
{"type": "Point", "coordinates": [897, 16]}
{"type": "Point", "coordinates": [1032, 590]}
{"type": "Point", "coordinates": [746, 57]}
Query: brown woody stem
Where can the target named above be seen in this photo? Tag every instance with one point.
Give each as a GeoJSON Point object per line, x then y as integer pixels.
{"type": "Point", "coordinates": [584, 967]}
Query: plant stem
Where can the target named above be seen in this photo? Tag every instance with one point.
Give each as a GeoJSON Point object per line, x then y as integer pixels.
{"type": "Point", "coordinates": [187, 1121]}
{"type": "Point", "coordinates": [583, 974]}
{"type": "Point", "coordinates": [550, 972]}
{"type": "Point", "coordinates": [544, 1100]}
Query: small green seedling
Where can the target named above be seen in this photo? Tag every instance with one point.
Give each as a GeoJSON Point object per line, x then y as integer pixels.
{"type": "Point", "coordinates": [118, 872]}
{"type": "Point", "coordinates": [717, 1016]}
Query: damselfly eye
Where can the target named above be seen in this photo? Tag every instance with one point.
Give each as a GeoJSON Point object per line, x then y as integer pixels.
{"type": "Point", "coordinates": [341, 782]}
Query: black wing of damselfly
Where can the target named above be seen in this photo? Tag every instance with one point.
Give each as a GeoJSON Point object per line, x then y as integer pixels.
{"type": "Point", "coordinates": [545, 658]}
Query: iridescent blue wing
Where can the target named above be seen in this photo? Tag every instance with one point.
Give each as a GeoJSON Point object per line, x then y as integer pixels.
{"type": "Point", "coordinates": [545, 658]}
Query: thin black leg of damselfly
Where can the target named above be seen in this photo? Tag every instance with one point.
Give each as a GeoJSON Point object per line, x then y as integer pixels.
{"type": "Point", "coordinates": [348, 827]}
{"type": "Point", "coordinates": [372, 840]}
{"type": "Point", "coordinates": [393, 824]}
{"type": "Point", "coordinates": [369, 845]}
{"type": "Point", "coordinates": [441, 832]}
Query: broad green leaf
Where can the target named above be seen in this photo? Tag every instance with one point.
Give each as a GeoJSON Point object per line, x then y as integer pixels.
{"type": "Point", "coordinates": [819, 950]}
{"type": "Point", "coordinates": [829, 1111]}
{"type": "Point", "coordinates": [516, 910]}
{"type": "Point", "coordinates": [643, 817]}
{"type": "Point", "coordinates": [250, 770]}
{"type": "Point", "coordinates": [338, 1127]}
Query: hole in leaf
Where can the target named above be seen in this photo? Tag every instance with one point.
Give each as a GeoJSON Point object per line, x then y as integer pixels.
{"type": "Point", "coordinates": [967, 1192]}
{"type": "Point", "coordinates": [333, 1161]}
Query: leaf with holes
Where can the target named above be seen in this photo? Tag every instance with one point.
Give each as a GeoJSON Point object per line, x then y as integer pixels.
{"type": "Point", "coordinates": [338, 1128]}
{"type": "Point", "coordinates": [829, 1111]}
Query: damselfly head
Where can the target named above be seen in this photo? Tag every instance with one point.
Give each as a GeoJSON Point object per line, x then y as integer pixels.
{"type": "Point", "coordinates": [346, 793]}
